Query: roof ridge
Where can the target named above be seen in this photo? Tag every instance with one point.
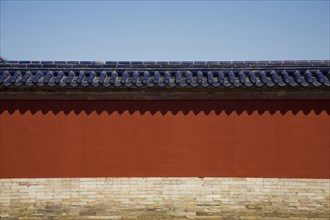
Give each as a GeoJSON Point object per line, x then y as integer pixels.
{"type": "Point", "coordinates": [166, 62]}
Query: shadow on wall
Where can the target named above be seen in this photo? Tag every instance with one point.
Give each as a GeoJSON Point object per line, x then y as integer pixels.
{"type": "Point", "coordinates": [165, 107]}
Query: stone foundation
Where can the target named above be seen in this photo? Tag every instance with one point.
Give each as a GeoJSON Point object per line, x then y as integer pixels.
{"type": "Point", "coordinates": [165, 198]}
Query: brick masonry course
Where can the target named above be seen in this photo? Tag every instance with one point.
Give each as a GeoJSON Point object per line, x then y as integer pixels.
{"type": "Point", "coordinates": [164, 198]}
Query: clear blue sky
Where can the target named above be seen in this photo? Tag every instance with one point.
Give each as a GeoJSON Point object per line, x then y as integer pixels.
{"type": "Point", "coordinates": [165, 30]}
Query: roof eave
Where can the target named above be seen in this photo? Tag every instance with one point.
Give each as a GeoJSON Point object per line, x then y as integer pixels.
{"type": "Point", "coordinates": [273, 93]}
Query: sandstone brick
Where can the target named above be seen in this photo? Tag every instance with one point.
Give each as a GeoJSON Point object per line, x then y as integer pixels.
{"type": "Point", "coordinates": [164, 198]}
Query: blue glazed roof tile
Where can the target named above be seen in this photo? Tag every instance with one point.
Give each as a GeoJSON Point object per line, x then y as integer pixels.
{"type": "Point", "coordinates": [123, 74]}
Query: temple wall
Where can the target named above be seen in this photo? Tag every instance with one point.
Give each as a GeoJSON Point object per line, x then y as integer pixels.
{"type": "Point", "coordinates": [163, 160]}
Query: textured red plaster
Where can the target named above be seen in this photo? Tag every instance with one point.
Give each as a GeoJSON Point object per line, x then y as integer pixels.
{"type": "Point", "coordinates": [131, 144]}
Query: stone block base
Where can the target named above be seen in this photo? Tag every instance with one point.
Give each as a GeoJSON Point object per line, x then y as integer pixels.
{"type": "Point", "coordinates": [165, 198]}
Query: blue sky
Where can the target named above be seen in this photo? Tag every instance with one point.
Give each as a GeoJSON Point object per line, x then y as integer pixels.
{"type": "Point", "coordinates": [165, 30]}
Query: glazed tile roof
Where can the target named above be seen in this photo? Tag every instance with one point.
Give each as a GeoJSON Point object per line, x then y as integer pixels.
{"type": "Point", "coordinates": [125, 74]}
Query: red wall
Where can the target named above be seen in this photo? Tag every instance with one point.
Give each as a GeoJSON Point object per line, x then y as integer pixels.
{"type": "Point", "coordinates": [164, 138]}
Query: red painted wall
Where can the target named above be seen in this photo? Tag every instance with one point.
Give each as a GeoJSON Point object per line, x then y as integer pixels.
{"type": "Point", "coordinates": [166, 138]}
